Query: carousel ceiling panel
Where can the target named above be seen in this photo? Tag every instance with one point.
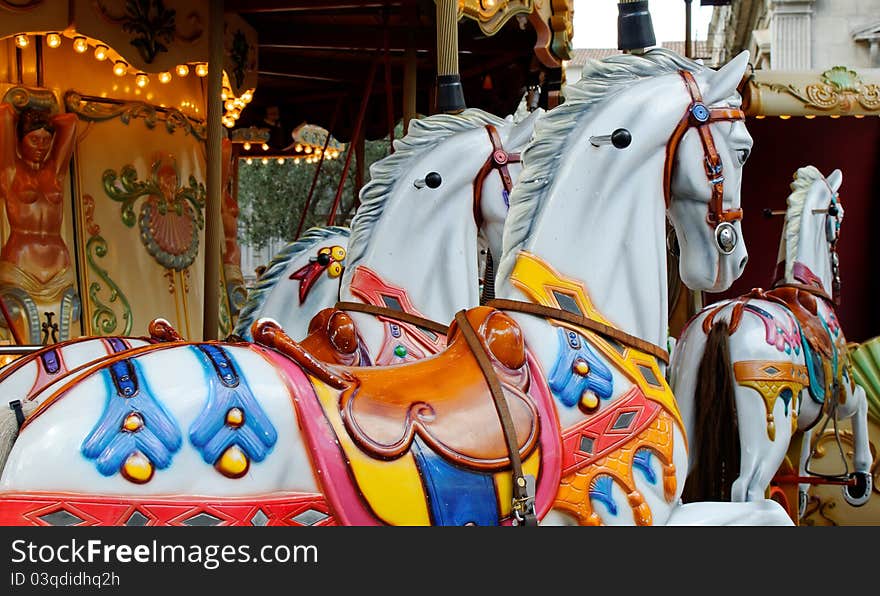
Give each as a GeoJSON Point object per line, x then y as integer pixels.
{"type": "Point", "coordinates": [152, 35]}
{"type": "Point", "coordinates": [314, 54]}
{"type": "Point", "coordinates": [32, 16]}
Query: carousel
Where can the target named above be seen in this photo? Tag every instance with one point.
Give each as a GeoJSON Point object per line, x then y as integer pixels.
{"type": "Point", "coordinates": [487, 343]}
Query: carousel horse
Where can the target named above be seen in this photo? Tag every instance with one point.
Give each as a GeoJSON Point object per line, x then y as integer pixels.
{"type": "Point", "coordinates": [485, 432]}
{"type": "Point", "coordinates": [422, 201]}
{"type": "Point", "coordinates": [750, 372]}
{"type": "Point", "coordinates": [302, 279]}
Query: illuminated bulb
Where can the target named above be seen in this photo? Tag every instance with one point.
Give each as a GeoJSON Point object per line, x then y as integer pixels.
{"type": "Point", "coordinates": [280, 161]}
{"type": "Point", "coordinates": [80, 45]}
{"type": "Point", "coordinates": [265, 161]}
{"type": "Point", "coordinates": [101, 52]}
{"type": "Point", "coordinates": [224, 95]}
{"type": "Point", "coordinates": [265, 147]}
{"type": "Point", "coordinates": [784, 116]}
{"type": "Point", "coordinates": [238, 102]}
{"type": "Point", "coordinates": [53, 40]}
{"type": "Point", "coordinates": [298, 148]}
{"type": "Point", "coordinates": [247, 146]}
{"type": "Point", "coordinates": [142, 80]}
{"type": "Point", "coordinates": [165, 77]}
{"type": "Point", "coordinates": [296, 160]}
{"type": "Point", "coordinates": [247, 96]}
{"type": "Point", "coordinates": [22, 41]}
{"type": "Point", "coordinates": [809, 116]}
{"type": "Point", "coordinates": [119, 68]}
{"type": "Point", "coordinates": [249, 161]}
{"type": "Point", "coordinates": [235, 113]}
{"type": "Point", "coordinates": [308, 149]}
{"type": "Point", "coordinates": [182, 70]}
{"type": "Point", "coordinates": [202, 69]}
{"type": "Point", "coordinates": [228, 104]}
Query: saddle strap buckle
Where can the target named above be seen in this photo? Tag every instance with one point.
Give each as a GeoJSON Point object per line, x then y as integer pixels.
{"type": "Point", "coordinates": [15, 406]}
{"type": "Point", "coordinates": [524, 506]}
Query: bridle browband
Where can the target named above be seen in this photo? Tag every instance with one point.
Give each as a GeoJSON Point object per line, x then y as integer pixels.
{"type": "Point", "coordinates": [497, 160]}
{"type": "Point", "coordinates": [699, 116]}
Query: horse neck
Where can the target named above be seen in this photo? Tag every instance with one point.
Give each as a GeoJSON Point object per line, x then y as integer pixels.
{"type": "Point", "coordinates": [609, 236]}
{"type": "Point", "coordinates": [427, 245]}
{"type": "Point", "coordinates": [812, 249]}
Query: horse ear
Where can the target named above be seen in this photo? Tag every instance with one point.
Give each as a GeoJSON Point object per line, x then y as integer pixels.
{"type": "Point", "coordinates": [834, 180]}
{"type": "Point", "coordinates": [724, 82]}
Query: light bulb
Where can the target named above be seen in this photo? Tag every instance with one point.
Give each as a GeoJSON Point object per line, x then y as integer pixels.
{"type": "Point", "coordinates": [53, 40]}
{"type": "Point", "coordinates": [280, 161]}
{"type": "Point", "coordinates": [308, 149]}
{"type": "Point", "coordinates": [296, 160]}
{"type": "Point", "coordinates": [246, 146]}
{"type": "Point", "coordinates": [22, 41]}
{"type": "Point", "coordinates": [249, 161]}
{"type": "Point", "coordinates": [201, 69]}
{"type": "Point", "coordinates": [119, 68]}
{"type": "Point", "coordinates": [182, 70]}
{"type": "Point", "coordinates": [265, 161]}
{"type": "Point", "coordinates": [101, 52]}
{"type": "Point", "coordinates": [228, 105]}
{"type": "Point", "coordinates": [298, 148]}
{"type": "Point", "coordinates": [247, 96]}
{"type": "Point", "coordinates": [80, 45]}
{"type": "Point", "coordinates": [141, 80]}
{"type": "Point", "coordinates": [265, 147]}
{"type": "Point", "coordinates": [165, 77]}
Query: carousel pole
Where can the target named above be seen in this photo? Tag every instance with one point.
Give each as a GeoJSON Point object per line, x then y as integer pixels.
{"type": "Point", "coordinates": [410, 68]}
{"type": "Point", "coordinates": [214, 182]}
{"type": "Point", "coordinates": [450, 96]}
{"type": "Point", "coordinates": [302, 217]}
{"type": "Point", "coordinates": [688, 51]}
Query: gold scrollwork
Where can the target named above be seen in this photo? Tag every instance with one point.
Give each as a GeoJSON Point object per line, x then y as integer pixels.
{"type": "Point", "coordinates": [839, 88]}
{"type": "Point", "coordinates": [96, 109]}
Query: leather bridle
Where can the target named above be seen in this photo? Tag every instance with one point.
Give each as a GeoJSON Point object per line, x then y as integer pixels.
{"type": "Point", "coordinates": [699, 116]}
{"type": "Point", "coordinates": [497, 160]}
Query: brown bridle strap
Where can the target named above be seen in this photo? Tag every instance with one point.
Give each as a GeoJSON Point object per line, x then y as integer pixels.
{"type": "Point", "coordinates": [497, 160]}
{"type": "Point", "coordinates": [699, 116]}
{"type": "Point", "coordinates": [398, 315]}
{"type": "Point", "coordinates": [601, 328]}
{"type": "Point", "coordinates": [523, 504]}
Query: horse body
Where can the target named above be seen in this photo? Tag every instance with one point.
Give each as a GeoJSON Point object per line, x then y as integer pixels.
{"type": "Point", "coordinates": [591, 421]}
{"type": "Point", "coordinates": [778, 357]}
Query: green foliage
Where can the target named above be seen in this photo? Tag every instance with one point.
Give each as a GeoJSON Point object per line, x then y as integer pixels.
{"type": "Point", "coordinates": [272, 196]}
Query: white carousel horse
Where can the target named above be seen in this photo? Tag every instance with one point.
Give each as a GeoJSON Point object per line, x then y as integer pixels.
{"type": "Point", "coordinates": [779, 358]}
{"type": "Point", "coordinates": [269, 435]}
{"type": "Point", "coordinates": [299, 281]}
{"type": "Point", "coordinates": [424, 200]}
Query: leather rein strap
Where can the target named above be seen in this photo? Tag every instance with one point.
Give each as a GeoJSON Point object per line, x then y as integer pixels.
{"type": "Point", "coordinates": [523, 502]}
{"type": "Point", "coordinates": [700, 117]}
{"type": "Point", "coordinates": [398, 315]}
{"type": "Point", "coordinates": [498, 160]}
{"type": "Point", "coordinates": [602, 329]}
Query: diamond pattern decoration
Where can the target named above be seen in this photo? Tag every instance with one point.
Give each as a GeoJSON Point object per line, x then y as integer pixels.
{"type": "Point", "coordinates": [771, 370]}
{"type": "Point", "coordinates": [586, 445]}
{"type": "Point", "coordinates": [392, 303]}
{"type": "Point", "coordinates": [310, 517]}
{"type": "Point", "coordinates": [61, 517]}
{"type": "Point", "coordinates": [566, 302]}
{"type": "Point", "coordinates": [624, 420]}
{"type": "Point", "coordinates": [648, 374]}
{"type": "Point", "coordinates": [202, 519]}
{"type": "Point", "coordinates": [259, 518]}
{"type": "Point", "coordinates": [137, 519]}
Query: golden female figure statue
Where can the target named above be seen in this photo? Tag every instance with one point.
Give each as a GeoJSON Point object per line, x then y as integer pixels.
{"type": "Point", "coordinates": [35, 264]}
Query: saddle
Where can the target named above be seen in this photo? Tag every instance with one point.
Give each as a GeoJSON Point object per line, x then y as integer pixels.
{"type": "Point", "coordinates": [444, 400]}
{"type": "Point", "coordinates": [804, 306]}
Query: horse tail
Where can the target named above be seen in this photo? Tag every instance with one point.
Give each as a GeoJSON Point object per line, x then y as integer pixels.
{"type": "Point", "coordinates": [715, 444]}
{"type": "Point", "coordinates": [9, 427]}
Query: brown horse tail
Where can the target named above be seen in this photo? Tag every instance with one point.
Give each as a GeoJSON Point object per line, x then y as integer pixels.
{"type": "Point", "coordinates": [715, 444]}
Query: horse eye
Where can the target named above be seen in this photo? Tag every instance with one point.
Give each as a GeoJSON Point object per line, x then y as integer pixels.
{"type": "Point", "coordinates": [742, 155]}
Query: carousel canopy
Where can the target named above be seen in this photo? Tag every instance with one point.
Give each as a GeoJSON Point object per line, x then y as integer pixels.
{"type": "Point", "coordinates": [316, 57]}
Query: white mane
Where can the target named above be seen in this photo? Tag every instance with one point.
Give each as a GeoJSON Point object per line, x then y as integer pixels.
{"type": "Point", "coordinates": [600, 81]}
{"type": "Point", "coordinates": [424, 135]}
{"type": "Point", "coordinates": [800, 186]}
{"type": "Point", "coordinates": [278, 267]}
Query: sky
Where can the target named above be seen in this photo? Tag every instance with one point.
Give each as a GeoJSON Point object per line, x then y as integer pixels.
{"type": "Point", "coordinates": [595, 21]}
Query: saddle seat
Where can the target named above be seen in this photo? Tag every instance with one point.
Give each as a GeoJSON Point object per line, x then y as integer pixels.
{"type": "Point", "coordinates": [804, 306]}
{"type": "Point", "coordinates": [444, 399]}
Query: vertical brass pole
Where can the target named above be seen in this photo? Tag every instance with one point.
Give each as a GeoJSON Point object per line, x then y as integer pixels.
{"type": "Point", "coordinates": [213, 227]}
{"type": "Point", "coordinates": [688, 50]}
{"type": "Point", "coordinates": [450, 97]}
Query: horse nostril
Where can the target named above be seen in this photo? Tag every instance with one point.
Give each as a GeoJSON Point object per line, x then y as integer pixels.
{"type": "Point", "coordinates": [742, 264]}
